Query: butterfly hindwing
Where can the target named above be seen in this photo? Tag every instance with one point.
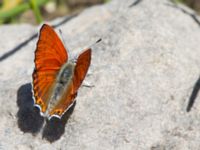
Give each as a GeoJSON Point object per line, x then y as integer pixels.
{"type": "Point", "coordinates": [81, 68]}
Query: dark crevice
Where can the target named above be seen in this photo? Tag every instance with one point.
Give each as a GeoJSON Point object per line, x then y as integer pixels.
{"type": "Point", "coordinates": [22, 44]}
{"type": "Point", "coordinates": [196, 87]}
{"type": "Point", "coordinates": [17, 48]}
{"type": "Point", "coordinates": [194, 94]}
{"type": "Point", "coordinates": [192, 15]}
{"type": "Point", "coordinates": [63, 21]}
{"type": "Point", "coordinates": [136, 2]}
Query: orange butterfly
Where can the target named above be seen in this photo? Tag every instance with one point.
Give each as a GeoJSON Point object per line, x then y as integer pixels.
{"type": "Point", "coordinates": [56, 78]}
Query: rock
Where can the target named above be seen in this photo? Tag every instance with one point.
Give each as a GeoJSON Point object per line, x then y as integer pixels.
{"type": "Point", "coordinates": [145, 73]}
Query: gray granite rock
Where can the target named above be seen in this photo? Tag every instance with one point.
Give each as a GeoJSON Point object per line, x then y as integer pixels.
{"type": "Point", "coordinates": [145, 73]}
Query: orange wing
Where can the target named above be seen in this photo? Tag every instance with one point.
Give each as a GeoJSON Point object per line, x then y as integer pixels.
{"type": "Point", "coordinates": [68, 97]}
{"type": "Point", "coordinates": [50, 55]}
{"type": "Point", "coordinates": [81, 68]}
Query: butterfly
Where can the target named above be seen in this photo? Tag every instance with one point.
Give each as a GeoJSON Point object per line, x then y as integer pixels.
{"type": "Point", "coordinates": [56, 78]}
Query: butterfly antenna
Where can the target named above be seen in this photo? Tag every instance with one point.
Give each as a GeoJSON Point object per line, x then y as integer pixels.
{"type": "Point", "coordinates": [68, 51]}
{"type": "Point", "coordinates": [99, 40]}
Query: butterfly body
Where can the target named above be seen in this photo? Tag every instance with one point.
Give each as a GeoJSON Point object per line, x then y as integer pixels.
{"type": "Point", "coordinates": [56, 78]}
{"type": "Point", "coordinates": [61, 87]}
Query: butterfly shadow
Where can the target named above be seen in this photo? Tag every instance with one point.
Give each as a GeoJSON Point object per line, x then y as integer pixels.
{"type": "Point", "coordinates": [29, 119]}
{"type": "Point", "coordinates": [55, 127]}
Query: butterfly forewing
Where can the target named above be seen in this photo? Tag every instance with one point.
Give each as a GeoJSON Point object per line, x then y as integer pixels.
{"type": "Point", "coordinates": [81, 68]}
{"type": "Point", "coordinates": [50, 55]}
{"type": "Point", "coordinates": [80, 71]}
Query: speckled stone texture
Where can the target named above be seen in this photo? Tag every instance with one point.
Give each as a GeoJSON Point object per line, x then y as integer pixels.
{"type": "Point", "coordinates": [145, 73]}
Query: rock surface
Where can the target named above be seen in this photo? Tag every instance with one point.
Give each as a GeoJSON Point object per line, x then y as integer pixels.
{"type": "Point", "coordinates": [145, 72]}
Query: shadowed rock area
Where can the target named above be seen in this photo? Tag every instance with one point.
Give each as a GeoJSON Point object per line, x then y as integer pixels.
{"type": "Point", "coordinates": [145, 75]}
